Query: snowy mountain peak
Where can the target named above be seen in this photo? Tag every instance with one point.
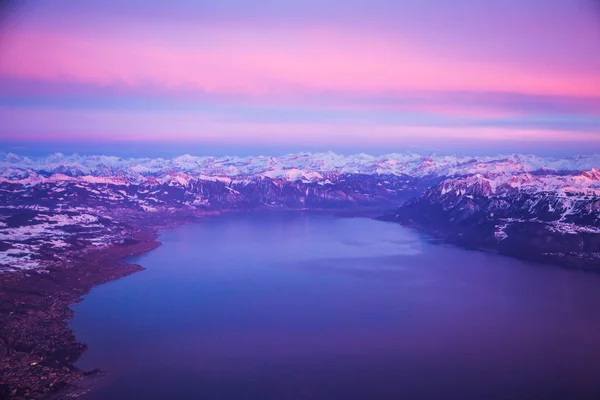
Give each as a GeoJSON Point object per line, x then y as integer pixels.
{"type": "Point", "coordinates": [593, 174]}
{"type": "Point", "coordinates": [301, 166]}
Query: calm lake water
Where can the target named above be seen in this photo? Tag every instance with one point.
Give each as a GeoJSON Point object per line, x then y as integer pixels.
{"type": "Point", "coordinates": [293, 306]}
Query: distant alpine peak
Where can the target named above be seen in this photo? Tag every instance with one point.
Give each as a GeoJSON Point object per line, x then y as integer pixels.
{"type": "Point", "coordinates": [295, 167]}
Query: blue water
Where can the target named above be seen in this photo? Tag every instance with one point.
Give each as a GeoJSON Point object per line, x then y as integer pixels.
{"type": "Point", "coordinates": [293, 306]}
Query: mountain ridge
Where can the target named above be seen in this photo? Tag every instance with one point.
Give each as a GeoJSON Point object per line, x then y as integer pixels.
{"type": "Point", "coordinates": [481, 202]}
{"type": "Point", "coordinates": [296, 165]}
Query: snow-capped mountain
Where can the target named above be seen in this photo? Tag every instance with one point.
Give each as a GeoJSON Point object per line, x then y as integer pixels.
{"type": "Point", "coordinates": [517, 204]}
{"type": "Point", "coordinates": [535, 215]}
{"type": "Point", "coordinates": [571, 198]}
{"type": "Point", "coordinates": [295, 180]}
{"type": "Point", "coordinates": [292, 167]}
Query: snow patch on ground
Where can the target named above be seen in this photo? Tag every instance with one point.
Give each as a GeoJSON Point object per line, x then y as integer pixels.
{"type": "Point", "coordinates": [571, 229]}
{"type": "Point", "coordinates": [16, 259]}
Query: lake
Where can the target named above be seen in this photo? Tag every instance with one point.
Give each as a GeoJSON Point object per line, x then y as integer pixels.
{"type": "Point", "coordinates": [300, 306]}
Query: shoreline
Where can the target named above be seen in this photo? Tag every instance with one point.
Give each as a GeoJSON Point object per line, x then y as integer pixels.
{"type": "Point", "coordinates": [467, 240]}
{"type": "Point", "coordinates": [41, 303]}
{"type": "Point", "coordinates": [38, 349]}
{"type": "Point", "coordinates": [91, 379]}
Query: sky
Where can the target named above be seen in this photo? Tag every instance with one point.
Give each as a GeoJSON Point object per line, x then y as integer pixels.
{"type": "Point", "coordinates": [243, 77]}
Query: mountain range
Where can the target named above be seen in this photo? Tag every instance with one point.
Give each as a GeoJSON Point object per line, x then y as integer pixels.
{"type": "Point", "coordinates": [301, 166]}
{"type": "Point", "coordinates": [546, 209]}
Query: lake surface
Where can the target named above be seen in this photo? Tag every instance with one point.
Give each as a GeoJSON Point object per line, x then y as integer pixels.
{"type": "Point", "coordinates": [294, 306]}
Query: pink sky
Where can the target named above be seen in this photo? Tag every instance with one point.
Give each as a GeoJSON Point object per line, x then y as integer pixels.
{"type": "Point", "coordinates": [504, 70]}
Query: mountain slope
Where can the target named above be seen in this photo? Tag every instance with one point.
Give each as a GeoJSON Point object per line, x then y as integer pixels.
{"type": "Point", "coordinates": [523, 205]}
{"type": "Point", "coordinates": [537, 216]}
